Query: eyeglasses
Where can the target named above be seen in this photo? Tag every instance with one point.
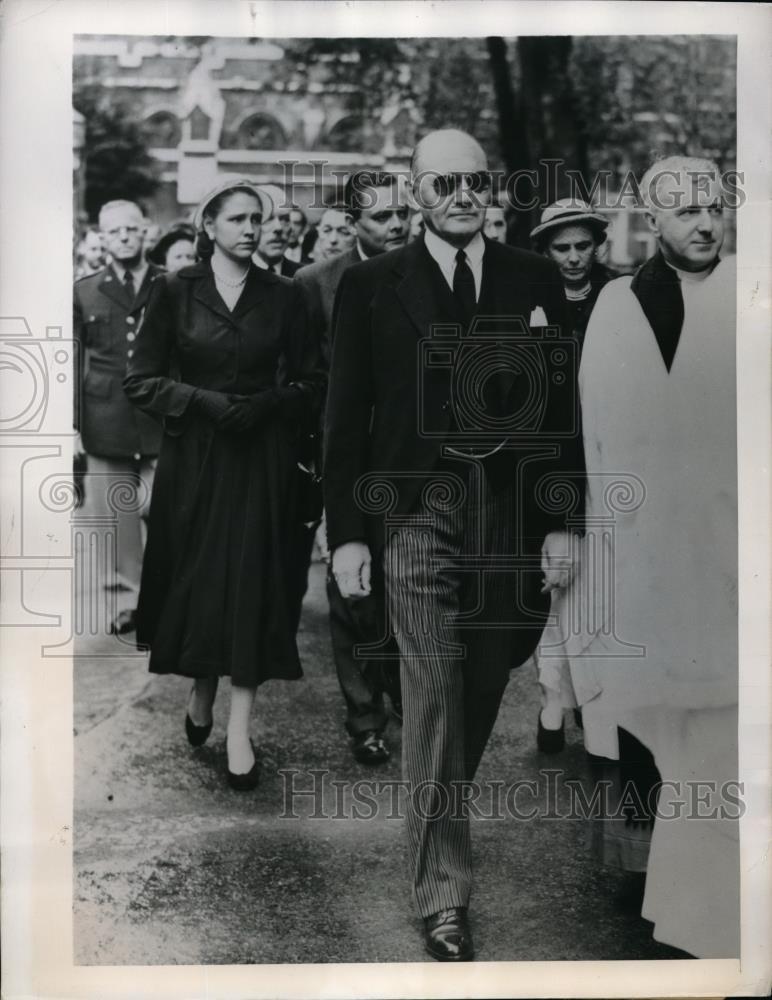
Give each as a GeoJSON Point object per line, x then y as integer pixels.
{"type": "Point", "coordinates": [447, 184]}
{"type": "Point", "coordinates": [131, 230]}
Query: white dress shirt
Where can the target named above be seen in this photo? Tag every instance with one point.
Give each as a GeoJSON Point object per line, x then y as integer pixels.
{"type": "Point", "coordinates": [257, 259]}
{"type": "Point", "coordinates": [445, 255]}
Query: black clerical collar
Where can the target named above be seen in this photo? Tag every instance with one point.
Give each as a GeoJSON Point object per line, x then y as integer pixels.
{"type": "Point", "coordinates": [658, 289]}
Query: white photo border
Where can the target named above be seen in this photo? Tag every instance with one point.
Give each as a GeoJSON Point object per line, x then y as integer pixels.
{"type": "Point", "coordinates": [36, 768]}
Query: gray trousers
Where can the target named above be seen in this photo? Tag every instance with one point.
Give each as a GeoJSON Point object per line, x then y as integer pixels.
{"type": "Point", "coordinates": [454, 616]}
{"type": "Point", "coordinates": [118, 493]}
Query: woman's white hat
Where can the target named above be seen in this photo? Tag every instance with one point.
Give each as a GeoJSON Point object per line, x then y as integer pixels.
{"type": "Point", "coordinates": [233, 182]}
{"type": "Point", "coordinates": [569, 212]}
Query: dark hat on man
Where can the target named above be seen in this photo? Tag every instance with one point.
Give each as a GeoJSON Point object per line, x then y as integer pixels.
{"type": "Point", "coordinates": [178, 231]}
{"type": "Point", "coordinates": [569, 212]}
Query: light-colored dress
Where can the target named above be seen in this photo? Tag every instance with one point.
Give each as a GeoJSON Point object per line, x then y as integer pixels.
{"type": "Point", "coordinates": [648, 631]}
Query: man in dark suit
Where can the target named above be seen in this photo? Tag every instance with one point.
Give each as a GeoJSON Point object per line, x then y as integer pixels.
{"type": "Point", "coordinates": [274, 235]}
{"type": "Point", "coordinates": [334, 233]}
{"type": "Point", "coordinates": [297, 226]}
{"type": "Point", "coordinates": [451, 421]}
{"type": "Point", "coordinates": [121, 443]}
{"type": "Point", "coordinates": [378, 209]}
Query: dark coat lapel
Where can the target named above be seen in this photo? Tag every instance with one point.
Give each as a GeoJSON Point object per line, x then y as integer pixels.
{"type": "Point", "coordinates": [205, 290]}
{"type": "Point", "coordinates": [112, 286]}
{"type": "Point", "coordinates": [416, 290]}
{"type": "Point", "coordinates": [344, 261]}
{"type": "Point", "coordinates": [144, 289]}
{"type": "Point", "coordinates": [504, 305]}
{"type": "Point", "coordinates": [256, 287]}
{"type": "Point", "coordinates": [254, 291]}
{"type": "Point", "coordinates": [503, 294]}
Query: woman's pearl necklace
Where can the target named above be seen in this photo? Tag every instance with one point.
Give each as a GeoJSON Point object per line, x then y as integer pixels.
{"type": "Point", "coordinates": [226, 281]}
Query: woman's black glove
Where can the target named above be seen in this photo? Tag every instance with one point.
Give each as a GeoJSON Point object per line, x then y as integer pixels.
{"type": "Point", "coordinates": [210, 404]}
{"type": "Point", "coordinates": [249, 412]}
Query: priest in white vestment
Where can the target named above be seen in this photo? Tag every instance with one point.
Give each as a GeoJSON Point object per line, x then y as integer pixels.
{"type": "Point", "coordinates": [649, 625]}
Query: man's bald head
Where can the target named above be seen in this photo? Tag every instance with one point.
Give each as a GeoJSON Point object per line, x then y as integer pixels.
{"type": "Point", "coordinates": [440, 150]}
{"type": "Point", "coordinates": [451, 185]}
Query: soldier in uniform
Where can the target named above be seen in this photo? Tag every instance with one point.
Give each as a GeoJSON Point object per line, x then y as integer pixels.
{"type": "Point", "coordinates": [121, 442]}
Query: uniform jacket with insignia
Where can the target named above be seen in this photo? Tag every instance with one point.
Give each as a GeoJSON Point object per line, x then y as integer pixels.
{"type": "Point", "coordinates": [105, 323]}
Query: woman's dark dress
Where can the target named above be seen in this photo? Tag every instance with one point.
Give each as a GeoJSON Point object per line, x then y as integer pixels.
{"type": "Point", "coordinates": [216, 588]}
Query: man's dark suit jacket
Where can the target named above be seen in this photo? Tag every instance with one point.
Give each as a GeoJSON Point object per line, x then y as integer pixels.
{"type": "Point", "coordinates": [105, 323]}
{"type": "Point", "coordinates": [289, 268]}
{"type": "Point", "coordinates": [381, 395]}
{"type": "Point", "coordinates": [320, 283]}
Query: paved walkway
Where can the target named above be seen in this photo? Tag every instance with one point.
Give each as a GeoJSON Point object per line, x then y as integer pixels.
{"type": "Point", "coordinates": [173, 867]}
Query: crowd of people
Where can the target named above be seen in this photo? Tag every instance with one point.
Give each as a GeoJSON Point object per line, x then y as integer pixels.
{"type": "Point", "coordinates": [264, 383]}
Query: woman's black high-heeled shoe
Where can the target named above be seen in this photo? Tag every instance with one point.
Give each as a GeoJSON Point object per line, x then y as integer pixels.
{"type": "Point", "coordinates": [197, 735]}
{"type": "Point", "coordinates": [550, 740]}
{"type": "Point", "coordinates": [247, 781]}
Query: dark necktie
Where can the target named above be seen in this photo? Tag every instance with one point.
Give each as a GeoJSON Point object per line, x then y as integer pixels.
{"type": "Point", "coordinates": [463, 288]}
{"type": "Point", "coordinates": [128, 284]}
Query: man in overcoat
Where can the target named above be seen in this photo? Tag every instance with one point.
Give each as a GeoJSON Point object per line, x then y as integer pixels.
{"type": "Point", "coordinates": [378, 208]}
{"type": "Point", "coordinates": [451, 421]}
{"type": "Point", "coordinates": [121, 442]}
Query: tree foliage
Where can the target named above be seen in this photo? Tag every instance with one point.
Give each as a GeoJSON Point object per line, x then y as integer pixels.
{"type": "Point", "coordinates": [118, 164]}
{"type": "Point", "coordinates": [596, 103]}
{"type": "Point", "coordinates": [658, 95]}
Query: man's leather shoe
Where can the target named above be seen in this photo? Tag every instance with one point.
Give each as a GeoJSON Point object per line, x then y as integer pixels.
{"type": "Point", "coordinates": [447, 936]}
{"type": "Point", "coordinates": [125, 621]}
{"type": "Point", "coordinates": [369, 748]}
{"type": "Point", "coordinates": [550, 740]}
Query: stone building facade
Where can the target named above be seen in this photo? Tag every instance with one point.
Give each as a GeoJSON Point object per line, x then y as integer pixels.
{"type": "Point", "coordinates": [266, 109]}
{"type": "Point", "coordinates": [210, 106]}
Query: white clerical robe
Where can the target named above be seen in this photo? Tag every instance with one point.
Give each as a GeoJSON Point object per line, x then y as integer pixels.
{"type": "Point", "coordinates": [649, 628]}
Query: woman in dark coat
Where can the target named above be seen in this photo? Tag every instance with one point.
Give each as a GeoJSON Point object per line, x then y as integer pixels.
{"type": "Point", "coordinates": [223, 358]}
{"type": "Point", "coordinates": [570, 233]}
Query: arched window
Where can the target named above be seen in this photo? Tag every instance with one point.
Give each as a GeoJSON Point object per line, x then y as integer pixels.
{"type": "Point", "coordinates": [346, 135]}
{"type": "Point", "coordinates": [200, 124]}
{"type": "Point", "coordinates": [261, 131]}
{"type": "Point", "coordinates": [162, 130]}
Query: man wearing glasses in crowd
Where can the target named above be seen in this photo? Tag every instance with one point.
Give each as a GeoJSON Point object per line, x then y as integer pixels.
{"type": "Point", "coordinates": [448, 403]}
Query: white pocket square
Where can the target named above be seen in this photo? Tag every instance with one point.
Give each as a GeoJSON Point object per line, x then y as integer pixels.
{"type": "Point", "coordinates": [538, 317]}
